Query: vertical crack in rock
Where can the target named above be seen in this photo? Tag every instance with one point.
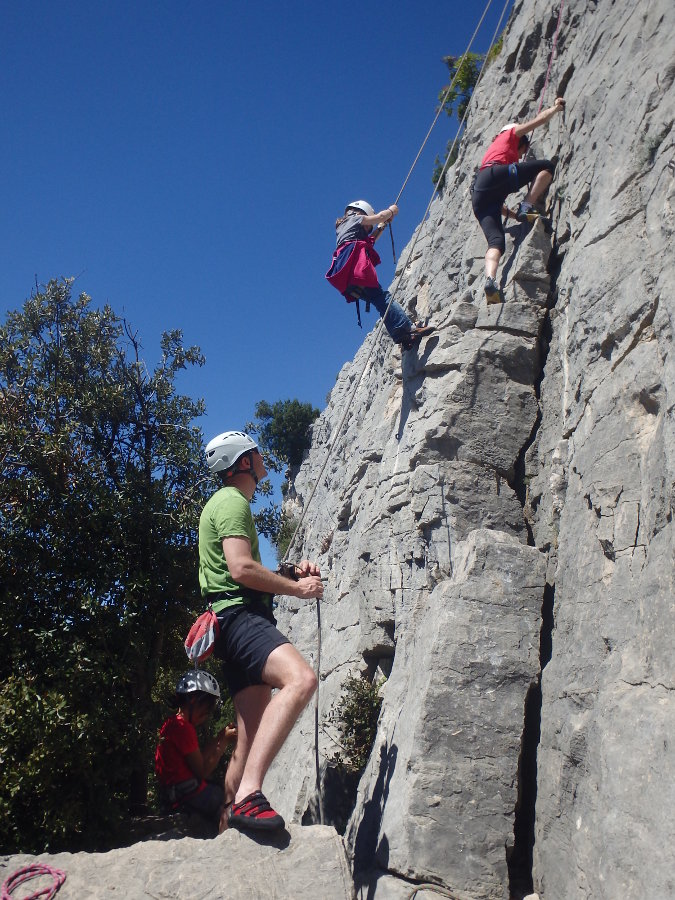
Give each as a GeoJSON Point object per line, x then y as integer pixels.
{"type": "Point", "coordinates": [519, 857]}
{"type": "Point", "coordinates": [519, 482]}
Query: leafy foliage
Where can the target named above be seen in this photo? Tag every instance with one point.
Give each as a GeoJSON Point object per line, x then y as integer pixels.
{"type": "Point", "coordinates": [467, 70]}
{"type": "Point", "coordinates": [101, 482]}
{"type": "Point", "coordinates": [285, 533]}
{"type": "Point", "coordinates": [495, 50]}
{"type": "Point", "coordinates": [268, 517]}
{"type": "Point", "coordinates": [284, 433]}
{"type": "Point", "coordinates": [356, 719]}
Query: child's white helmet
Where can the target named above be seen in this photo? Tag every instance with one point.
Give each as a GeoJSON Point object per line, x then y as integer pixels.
{"type": "Point", "coordinates": [363, 206]}
{"type": "Point", "coordinates": [198, 680]}
{"type": "Point", "coordinates": [224, 450]}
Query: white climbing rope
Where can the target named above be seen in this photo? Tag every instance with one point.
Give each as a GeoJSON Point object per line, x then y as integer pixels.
{"type": "Point", "coordinates": [378, 328]}
{"type": "Point", "coordinates": [442, 103]}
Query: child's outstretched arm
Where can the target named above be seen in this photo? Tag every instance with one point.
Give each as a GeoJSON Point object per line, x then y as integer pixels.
{"type": "Point", "coordinates": [379, 219]}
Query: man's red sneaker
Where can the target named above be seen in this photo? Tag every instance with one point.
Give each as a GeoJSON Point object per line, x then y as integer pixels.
{"type": "Point", "coordinates": [255, 813]}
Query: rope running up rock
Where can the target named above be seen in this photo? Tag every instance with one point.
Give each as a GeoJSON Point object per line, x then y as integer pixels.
{"type": "Point", "coordinates": [357, 383]}
{"type": "Point", "coordinates": [378, 328]}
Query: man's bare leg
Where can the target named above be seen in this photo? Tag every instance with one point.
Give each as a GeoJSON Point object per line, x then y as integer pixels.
{"type": "Point", "coordinates": [286, 670]}
{"type": "Point", "coordinates": [249, 705]}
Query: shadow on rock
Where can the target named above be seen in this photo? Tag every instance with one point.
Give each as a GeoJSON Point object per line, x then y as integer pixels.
{"type": "Point", "coordinates": [366, 847]}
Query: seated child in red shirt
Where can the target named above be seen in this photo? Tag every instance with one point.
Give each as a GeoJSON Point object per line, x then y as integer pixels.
{"type": "Point", "coordinates": [180, 765]}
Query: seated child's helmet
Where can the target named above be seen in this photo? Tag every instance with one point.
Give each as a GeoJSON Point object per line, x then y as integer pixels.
{"type": "Point", "coordinates": [224, 450]}
{"type": "Point", "coordinates": [362, 205]}
{"type": "Point", "coordinates": [198, 680]}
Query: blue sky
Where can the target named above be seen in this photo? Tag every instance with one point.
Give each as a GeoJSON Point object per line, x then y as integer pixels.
{"type": "Point", "coordinates": [186, 161]}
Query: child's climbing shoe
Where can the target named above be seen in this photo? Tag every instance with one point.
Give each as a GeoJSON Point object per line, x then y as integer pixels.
{"type": "Point", "coordinates": [255, 814]}
{"type": "Point", "coordinates": [492, 294]}
{"type": "Point", "coordinates": [528, 213]}
{"type": "Point", "coordinates": [415, 335]}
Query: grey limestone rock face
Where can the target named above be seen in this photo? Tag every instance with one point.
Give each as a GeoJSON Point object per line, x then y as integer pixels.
{"type": "Point", "coordinates": [304, 863]}
{"type": "Point", "coordinates": [494, 520]}
{"type": "Point", "coordinates": [601, 496]}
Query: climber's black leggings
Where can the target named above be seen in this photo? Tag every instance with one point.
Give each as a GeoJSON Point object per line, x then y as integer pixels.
{"type": "Point", "coordinates": [491, 187]}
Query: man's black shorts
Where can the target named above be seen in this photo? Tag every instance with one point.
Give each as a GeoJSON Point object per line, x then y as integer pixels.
{"type": "Point", "coordinates": [247, 637]}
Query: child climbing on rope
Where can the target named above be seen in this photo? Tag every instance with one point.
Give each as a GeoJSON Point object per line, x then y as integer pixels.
{"type": "Point", "coordinates": [180, 765]}
{"type": "Point", "coordinates": [352, 270]}
{"type": "Point", "coordinates": [499, 175]}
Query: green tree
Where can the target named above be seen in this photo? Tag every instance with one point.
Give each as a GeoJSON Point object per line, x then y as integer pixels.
{"type": "Point", "coordinates": [283, 429]}
{"type": "Point", "coordinates": [467, 69]}
{"type": "Point", "coordinates": [284, 433]}
{"type": "Point", "coordinates": [355, 716]}
{"type": "Point", "coordinates": [101, 482]}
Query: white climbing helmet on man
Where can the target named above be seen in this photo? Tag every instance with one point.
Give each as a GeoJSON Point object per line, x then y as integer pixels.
{"type": "Point", "coordinates": [362, 206]}
{"type": "Point", "coordinates": [225, 449]}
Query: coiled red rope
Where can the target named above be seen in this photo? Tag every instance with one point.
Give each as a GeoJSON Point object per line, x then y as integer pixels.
{"type": "Point", "coordinates": [26, 874]}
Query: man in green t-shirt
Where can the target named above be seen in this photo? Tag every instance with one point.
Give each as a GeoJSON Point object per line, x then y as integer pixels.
{"type": "Point", "coordinates": [256, 657]}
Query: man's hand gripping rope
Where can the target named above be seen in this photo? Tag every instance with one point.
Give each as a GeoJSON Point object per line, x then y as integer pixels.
{"type": "Point", "coordinates": [306, 574]}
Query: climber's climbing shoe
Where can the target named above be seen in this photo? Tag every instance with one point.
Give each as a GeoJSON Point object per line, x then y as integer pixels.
{"type": "Point", "coordinates": [492, 294]}
{"type": "Point", "coordinates": [415, 335]}
{"type": "Point", "coordinates": [255, 814]}
{"type": "Point", "coordinates": [528, 213]}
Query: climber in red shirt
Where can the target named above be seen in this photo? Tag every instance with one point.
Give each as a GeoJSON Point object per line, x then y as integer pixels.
{"type": "Point", "coordinates": [181, 767]}
{"type": "Point", "coordinates": [500, 174]}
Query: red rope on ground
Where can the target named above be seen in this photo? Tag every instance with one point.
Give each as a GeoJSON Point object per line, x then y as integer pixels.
{"type": "Point", "coordinates": [33, 871]}
{"type": "Point", "coordinates": [550, 59]}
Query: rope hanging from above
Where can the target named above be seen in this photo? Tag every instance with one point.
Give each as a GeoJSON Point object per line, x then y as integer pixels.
{"type": "Point", "coordinates": [442, 103]}
{"type": "Point", "coordinates": [550, 58]}
{"type": "Point", "coordinates": [380, 325]}
{"type": "Point", "coordinates": [357, 383]}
